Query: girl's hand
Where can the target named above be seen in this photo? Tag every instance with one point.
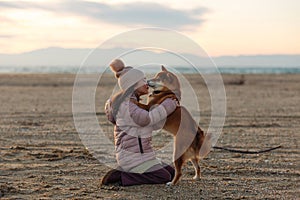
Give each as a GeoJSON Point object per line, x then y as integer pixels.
{"type": "Point", "coordinates": [170, 105]}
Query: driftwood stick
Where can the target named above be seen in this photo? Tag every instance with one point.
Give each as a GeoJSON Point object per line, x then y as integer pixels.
{"type": "Point", "coordinates": [246, 151]}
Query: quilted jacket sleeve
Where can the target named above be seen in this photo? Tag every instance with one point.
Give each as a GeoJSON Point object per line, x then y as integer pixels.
{"type": "Point", "coordinates": [149, 118]}
{"type": "Point", "coordinates": [108, 111]}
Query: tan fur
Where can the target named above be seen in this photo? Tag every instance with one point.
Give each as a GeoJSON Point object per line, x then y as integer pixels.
{"type": "Point", "coordinates": [188, 136]}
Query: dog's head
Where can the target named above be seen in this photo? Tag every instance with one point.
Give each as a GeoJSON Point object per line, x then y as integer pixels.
{"type": "Point", "coordinates": [165, 81]}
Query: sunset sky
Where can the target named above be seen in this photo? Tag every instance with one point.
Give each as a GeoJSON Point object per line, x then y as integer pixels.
{"type": "Point", "coordinates": [221, 27]}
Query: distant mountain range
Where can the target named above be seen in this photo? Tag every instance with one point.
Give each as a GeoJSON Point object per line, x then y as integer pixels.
{"type": "Point", "coordinates": [55, 56]}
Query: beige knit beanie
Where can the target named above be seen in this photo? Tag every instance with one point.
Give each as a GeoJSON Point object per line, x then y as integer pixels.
{"type": "Point", "coordinates": [127, 76]}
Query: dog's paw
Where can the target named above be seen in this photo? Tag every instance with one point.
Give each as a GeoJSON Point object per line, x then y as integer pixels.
{"type": "Point", "coordinates": [169, 184]}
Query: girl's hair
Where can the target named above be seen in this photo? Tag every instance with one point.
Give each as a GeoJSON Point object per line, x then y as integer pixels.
{"type": "Point", "coordinates": [118, 98]}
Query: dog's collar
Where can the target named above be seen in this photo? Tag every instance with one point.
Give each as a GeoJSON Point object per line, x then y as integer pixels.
{"type": "Point", "coordinates": [168, 92]}
{"type": "Point", "coordinates": [160, 91]}
{"type": "Point", "coordinates": [157, 91]}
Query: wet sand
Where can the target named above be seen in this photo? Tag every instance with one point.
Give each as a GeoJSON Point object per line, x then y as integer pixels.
{"type": "Point", "coordinates": [42, 156]}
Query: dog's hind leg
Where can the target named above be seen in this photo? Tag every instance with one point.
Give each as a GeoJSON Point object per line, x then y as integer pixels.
{"type": "Point", "coordinates": [178, 165]}
{"type": "Point", "coordinates": [195, 162]}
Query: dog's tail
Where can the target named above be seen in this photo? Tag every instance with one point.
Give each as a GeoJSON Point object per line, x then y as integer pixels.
{"type": "Point", "coordinates": [206, 144]}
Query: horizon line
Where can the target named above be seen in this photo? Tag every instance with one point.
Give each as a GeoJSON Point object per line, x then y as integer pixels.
{"type": "Point", "coordinates": [86, 48]}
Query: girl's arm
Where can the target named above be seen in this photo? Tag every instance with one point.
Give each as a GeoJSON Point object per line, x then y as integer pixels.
{"type": "Point", "coordinates": [108, 111]}
{"type": "Point", "coordinates": [148, 118]}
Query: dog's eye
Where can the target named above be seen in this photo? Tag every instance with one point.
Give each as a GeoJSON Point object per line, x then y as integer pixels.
{"type": "Point", "coordinates": [162, 77]}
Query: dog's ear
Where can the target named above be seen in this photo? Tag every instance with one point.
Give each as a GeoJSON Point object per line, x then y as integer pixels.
{"type": "Point", "coordinates": [163, 68]}
{"type": "Point", "coordinates": [170, 78]}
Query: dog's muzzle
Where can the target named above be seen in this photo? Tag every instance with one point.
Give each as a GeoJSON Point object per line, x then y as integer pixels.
{"type": "Point", "coordinates": [151, 83]}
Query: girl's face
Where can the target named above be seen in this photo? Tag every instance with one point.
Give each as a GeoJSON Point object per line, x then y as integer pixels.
{"type": "Point", "coordinates": [142, 87]}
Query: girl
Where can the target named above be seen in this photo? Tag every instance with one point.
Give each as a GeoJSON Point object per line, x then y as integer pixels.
{"type": "Point", "coordinates": [133, 131]}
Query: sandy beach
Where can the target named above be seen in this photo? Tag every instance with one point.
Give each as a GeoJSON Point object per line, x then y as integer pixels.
{"type": "Point", "coordinates": [42, 156]}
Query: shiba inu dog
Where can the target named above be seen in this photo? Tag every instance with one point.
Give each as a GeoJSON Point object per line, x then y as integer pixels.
{"type": "Point", "coordinates": [188, 136]}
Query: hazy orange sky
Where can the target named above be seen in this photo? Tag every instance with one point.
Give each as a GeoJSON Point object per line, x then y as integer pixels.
{"type": "Point", "coordinates": [221, 27]}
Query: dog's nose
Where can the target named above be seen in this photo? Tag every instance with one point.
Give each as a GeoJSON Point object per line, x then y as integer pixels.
{"type": "Point", "coordinates": [150, 83]}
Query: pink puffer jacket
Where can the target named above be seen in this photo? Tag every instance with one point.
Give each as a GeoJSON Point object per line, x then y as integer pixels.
{"type": "Point", "coordinates": [133, 131]}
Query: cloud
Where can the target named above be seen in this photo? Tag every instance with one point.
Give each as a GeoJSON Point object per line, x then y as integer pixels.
{"type": "Point", "coordinates": [21, 5]}
{"type": "Point", "coordinates": [137, 13]}
{"type": "Point", "coordinates": [150, 14]}
{"type": "Point", "coordinates": [6, 36]}
{"type": "Point", "coordinates": [9, 5]}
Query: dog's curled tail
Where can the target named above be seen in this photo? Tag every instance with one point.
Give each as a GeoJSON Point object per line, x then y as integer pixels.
{"type": "Point", "coordinates": [206, 145]}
